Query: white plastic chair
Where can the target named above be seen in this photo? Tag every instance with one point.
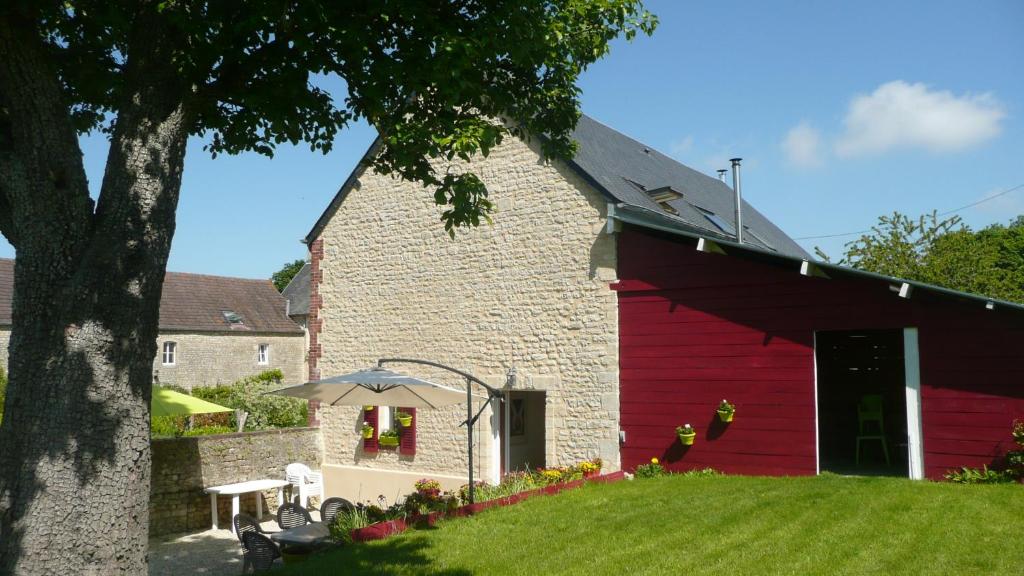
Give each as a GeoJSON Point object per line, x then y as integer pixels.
{"type": "Point", "coordinates": [309, 482]}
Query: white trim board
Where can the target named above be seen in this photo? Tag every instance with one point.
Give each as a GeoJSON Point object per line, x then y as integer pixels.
{"type": "Point", "coordinates": [912, 377]}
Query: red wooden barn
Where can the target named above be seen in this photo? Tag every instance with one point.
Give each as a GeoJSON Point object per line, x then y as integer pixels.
{"type": "Point", "coordinates": [816, 358]}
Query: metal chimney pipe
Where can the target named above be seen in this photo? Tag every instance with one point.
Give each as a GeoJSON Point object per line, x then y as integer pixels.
{"type": "Point", "coordinates": [721, 174]}
{"type": "Point", "coordinates": [739, 198]}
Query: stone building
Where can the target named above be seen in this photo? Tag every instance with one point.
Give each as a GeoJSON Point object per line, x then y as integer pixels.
{"type": "Point", "coordinates": [530, 292]}
{"type": "Point", "coordinates": [614, 298]}
{"type": "Point", "coordinates": [213, 330]}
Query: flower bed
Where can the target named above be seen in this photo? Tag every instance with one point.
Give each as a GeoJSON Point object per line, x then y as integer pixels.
{"type": "Point", "coordinates": [382, 530]}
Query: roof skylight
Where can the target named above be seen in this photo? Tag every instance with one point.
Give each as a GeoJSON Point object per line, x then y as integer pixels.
{"type": "Point", "coordinates": [717, 221]}
{"type": "Point", "coordinates": [232, 317]}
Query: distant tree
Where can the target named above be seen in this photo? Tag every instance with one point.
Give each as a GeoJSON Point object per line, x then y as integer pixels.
{"type": "Point", "coordinates": [945, 253]}
{"type": "Point", "coordinates": [440, 80]}
{"type": "Point", "coordinates": [282, 277]}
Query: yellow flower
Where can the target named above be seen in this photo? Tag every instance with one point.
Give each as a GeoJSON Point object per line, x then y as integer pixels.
{"type": "Point", "coordinates": [654, 460]}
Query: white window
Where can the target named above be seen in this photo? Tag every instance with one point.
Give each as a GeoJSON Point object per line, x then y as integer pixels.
{"type": "Point", "coordinates": [170, 351]}
{"type": "Point", "coordinates": [263, 356]}
{"type": "Point", "coordinates": [386, 418]}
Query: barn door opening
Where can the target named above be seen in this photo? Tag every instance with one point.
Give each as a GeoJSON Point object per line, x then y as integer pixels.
{"type": "Point", "coordinates": [862, 394]}
{"type": "Point", "coordinates": [524, 444]}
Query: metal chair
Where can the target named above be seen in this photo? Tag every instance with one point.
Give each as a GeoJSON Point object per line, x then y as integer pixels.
{"type": "Point", "coordinates": [330, 508]}
{"type": "Point", "coordinates": [308, 482]}
{"type": "Point", "coordinates": [291, 515]}
{"type": "Point", "coordinates": [260, 552]}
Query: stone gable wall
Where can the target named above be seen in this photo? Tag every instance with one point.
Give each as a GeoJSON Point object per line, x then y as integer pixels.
{"type": "Point", "coordinates": [183, 467]}
{"type": "Point", "coordinates": [529, 291]}
{"type": "Point", "coordinates": [212, 359]}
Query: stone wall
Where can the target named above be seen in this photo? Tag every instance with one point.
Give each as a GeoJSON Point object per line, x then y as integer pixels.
{"type": "Point", "coordinates": [182, 467]}
{"type": "Point", "coordinates": [529, 291]}
{"type": "Point", "coordinates": [206, 359]}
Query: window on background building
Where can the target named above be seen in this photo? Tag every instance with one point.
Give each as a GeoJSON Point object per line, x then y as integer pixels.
{"type": "Point", "coordinates": [263, 355]}
{"type": "Point", "coordinates": [170, 351]}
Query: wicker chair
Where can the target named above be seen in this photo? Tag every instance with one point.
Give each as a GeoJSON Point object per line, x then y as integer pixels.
{"type": "Point", "coordinates": [260, 552]}
{"type": "Point", "coordinates": [244, 523]}
{"type": "Point", "coordinates": [291, 515]}
{"type": "Point", "coordinates": [330, 508]}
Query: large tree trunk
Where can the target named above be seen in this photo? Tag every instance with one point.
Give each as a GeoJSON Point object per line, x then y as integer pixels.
{"type": "Point", "coordinates": [74, 444]}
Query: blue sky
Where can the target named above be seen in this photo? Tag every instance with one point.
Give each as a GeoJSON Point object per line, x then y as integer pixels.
{"type": "Point", "coordinates": [841, 111]}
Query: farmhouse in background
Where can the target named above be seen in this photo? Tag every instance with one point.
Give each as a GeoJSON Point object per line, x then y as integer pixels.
{"type": "Point", "coordinates": [213, 330]}
{"type": "Point", "coordinates": [612, 301]}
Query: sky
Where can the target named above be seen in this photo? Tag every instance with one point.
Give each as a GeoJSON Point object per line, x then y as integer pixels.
{"type": "Point", "coordinates": [842, 112]}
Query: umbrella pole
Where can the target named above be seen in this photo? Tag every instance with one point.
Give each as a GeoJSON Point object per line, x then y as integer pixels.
{"type": "Point", "coordinates": [469, 435]}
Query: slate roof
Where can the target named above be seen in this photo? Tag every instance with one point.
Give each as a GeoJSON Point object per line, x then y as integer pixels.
{"type": "Point", "coordinates": [197, 302]}
{"type": "Point", "coordinates": [297, 292]}
{"type": "Point", "coordinates": [624, 170]}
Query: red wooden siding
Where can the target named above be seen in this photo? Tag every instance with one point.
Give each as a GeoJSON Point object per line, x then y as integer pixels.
{"type": "Point", "coordinates": [696, 328]}
{"type": "Point", "coordinates": [371, 418]}
{"type": "Point", "coordinates": [407, 438]}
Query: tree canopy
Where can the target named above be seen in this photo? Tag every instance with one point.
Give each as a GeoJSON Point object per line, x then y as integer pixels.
{"type": "Point", "coordinates": [441, 81]}
{"type": "Point", "coordinates": [282, 277]}
{"type": "Point", "coordinates": [944, 252]}
{"type": "Point", "coordinates": [431, 77]}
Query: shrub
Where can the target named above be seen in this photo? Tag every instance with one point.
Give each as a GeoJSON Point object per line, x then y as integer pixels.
{"type": "Point", "coordinates": [966, 475]}
{"type": "Point", "coordinates": [250, 394]}
{"type": "Point", "coordinates": [651, 470]}
{"type": "Point", "coordinates": [346, 521]}
{"type": "Point", "coordinates": [701, 473]}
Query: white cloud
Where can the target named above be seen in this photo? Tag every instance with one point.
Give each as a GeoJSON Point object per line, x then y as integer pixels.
{"type": "Point", "coordinates": [802, 146]}
{"type": "Point", "coordinates": [681, 147]}
{"type": "Point", "coordinates": [902, 115]}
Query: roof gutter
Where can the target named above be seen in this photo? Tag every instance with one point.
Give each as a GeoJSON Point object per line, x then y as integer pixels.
{"type": "Point", "coordinates": [644, 218]}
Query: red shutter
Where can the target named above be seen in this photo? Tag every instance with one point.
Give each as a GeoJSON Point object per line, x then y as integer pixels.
{"type": "Point", "coordinates": [407, 442]}
{"type": "Point", "coordinates": [370, 417]}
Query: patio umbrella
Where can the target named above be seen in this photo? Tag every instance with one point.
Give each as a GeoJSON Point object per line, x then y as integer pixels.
{"type": "Point", "coordinates": [170, 403]}
{"type": "Point", "coordinates": [376, 387]}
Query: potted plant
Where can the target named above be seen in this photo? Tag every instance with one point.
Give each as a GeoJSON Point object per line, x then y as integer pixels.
{"type": "Point", "coordinates": [367, 408]}
{"type": "Point", "coordinates": [367, 430]}
{"type": "Point", "coordinates": [404, 418]}
{"type": "Point", "coordinates": [686, 434]}
{"type": "Point", "coordinates": [726, 411]}
{"type": "Point", "coordinates": [388, 438]}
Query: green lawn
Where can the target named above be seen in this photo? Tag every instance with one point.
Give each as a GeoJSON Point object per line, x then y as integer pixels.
{"type": "Point", "coordinates": [723, 525]}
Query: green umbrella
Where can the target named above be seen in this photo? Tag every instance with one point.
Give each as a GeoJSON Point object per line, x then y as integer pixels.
{"type": "Point", "coordinates": [170, 403]}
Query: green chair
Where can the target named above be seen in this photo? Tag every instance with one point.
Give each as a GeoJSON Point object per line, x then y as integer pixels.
{"type": "Point", "coordinates": [870, 424]}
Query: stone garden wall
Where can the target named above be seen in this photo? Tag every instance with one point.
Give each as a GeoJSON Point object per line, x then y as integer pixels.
{"type": "Point", "coordinates": [182, 467]}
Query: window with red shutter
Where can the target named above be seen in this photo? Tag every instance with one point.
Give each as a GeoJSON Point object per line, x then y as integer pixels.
{"type": "Point", "coordinates": [371, 417]}
{"type": "Point", "coordinates": [407, 440]}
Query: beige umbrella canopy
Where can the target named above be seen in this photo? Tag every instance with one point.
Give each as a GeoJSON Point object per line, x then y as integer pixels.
{"type": "Point", "coordinates": [376, 387]}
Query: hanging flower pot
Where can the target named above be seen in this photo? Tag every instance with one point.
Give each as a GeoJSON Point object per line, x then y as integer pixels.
{"type": "Point", "coordinates": [367, 408]}
{"type": "Point", "coordinates": [387, 439]}
{"type": "Point", "coordinates": [404, 419]}
{"type": "Point", "coordinates": [686, 434]}
{"type": "Point", "coordinates": [726, 411]}
{"type": "Point", "coordinates": [367, 430]}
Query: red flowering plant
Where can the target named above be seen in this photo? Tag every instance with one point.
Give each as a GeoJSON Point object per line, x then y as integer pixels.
{"type": "Point", "coordinates": [428, 498]}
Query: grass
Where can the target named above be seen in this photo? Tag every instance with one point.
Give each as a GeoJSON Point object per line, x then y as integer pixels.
{"type": "Point", "coordinates": [717, 525]}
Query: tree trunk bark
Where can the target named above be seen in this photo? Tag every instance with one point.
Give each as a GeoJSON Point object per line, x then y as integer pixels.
{"type": "Point", "coordinates": [75, 438]}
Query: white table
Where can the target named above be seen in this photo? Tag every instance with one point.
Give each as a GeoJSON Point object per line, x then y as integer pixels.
{"type": "Point", "coordinates": [236, 490]}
